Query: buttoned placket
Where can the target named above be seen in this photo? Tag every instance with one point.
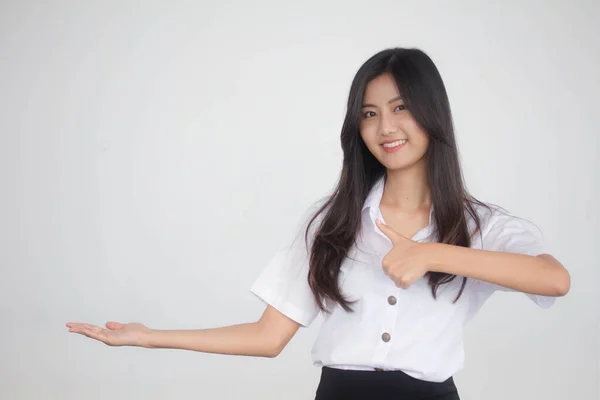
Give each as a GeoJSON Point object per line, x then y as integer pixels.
{"type": "Point", "coordinates": [392, 296]}
{"type": "Point", "coordinates": [389, 308]}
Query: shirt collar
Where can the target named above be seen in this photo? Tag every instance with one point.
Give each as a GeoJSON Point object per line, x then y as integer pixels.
{"type": "Point", "coordinates": [375, 195]}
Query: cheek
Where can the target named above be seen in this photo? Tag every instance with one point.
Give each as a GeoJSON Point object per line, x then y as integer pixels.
{"type": "Point", "coordinates": [423, 140]}
{"type": "Point", "coordinates": [417, 136]}
{"type": "Point", "coordinates": [369, 136]}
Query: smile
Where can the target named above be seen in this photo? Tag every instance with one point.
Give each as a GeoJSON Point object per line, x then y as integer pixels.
{"type": "Point", "coordinates": [393, 146]}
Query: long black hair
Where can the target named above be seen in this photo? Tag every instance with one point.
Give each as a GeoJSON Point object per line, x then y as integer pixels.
{"type": "Point", "coordinates": [424, 94]}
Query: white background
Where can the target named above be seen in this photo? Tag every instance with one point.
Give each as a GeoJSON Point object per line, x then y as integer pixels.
{"type": "Point", "coordinates": [153, 156]}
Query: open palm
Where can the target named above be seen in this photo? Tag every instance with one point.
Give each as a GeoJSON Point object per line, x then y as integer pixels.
{"type": "Point", "coordinates": [115, 334]}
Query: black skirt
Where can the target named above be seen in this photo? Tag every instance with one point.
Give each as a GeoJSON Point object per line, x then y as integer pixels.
{"type": "Point", "coordinates": [338, 384]}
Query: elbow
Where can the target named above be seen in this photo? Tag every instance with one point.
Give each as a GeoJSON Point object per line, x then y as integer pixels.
{"type": "Point", "coordinates": [563, 285]}
{"type": "Point", "coordinates": [271, 344]}
{"type": "Point", "coordinates": [272, 353]}
{"type": "Point", "coordinates": [273, 349]}
{"type": "Point", "coordinates": [561, 279]}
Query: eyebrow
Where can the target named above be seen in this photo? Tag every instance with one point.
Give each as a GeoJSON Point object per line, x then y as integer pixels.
{"type": "Point", "coordinates": [389, 102]}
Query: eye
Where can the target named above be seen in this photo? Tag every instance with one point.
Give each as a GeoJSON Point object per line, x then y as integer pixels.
{"type": "Point", "coordinates": [369, 114]}
{"type": "Point", "coordinates": [400, 107]}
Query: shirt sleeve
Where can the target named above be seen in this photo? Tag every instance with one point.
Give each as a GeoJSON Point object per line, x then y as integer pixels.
{"type": "Point", "coordinates": [515, 235]}
{"type": "Point", "coordinates": [283, 283]}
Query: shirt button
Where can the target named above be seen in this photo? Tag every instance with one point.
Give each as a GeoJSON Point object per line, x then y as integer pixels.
{"type": "Point", "coordinates": [386, 337]}
{"type": "Point", "coordinates": [392, 300]}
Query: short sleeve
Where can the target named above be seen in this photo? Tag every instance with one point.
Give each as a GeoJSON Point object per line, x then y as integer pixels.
{"type": "Point", "coordinates": [283, 283]}
{"type": "Point", "coordinates": [511, 234]}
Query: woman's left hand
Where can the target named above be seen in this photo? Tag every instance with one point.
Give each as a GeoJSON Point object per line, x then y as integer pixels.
{"type": "Point", "coordinates": [407, 261]}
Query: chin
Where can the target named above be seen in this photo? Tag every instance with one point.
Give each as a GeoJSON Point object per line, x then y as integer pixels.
{"type": "Point", "coordinates": [402, 168]}
{"type": "Point", "coordinates": [399, 165]}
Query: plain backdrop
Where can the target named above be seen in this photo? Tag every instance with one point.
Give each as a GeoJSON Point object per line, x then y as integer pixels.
{"type": "Point", "coordinates": [154, 155]}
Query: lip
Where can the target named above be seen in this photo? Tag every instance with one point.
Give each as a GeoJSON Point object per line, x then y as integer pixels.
{"type": "Point", "coordinates": [391, 140]}
{"type": "Point", "coordinates": [392, 149]}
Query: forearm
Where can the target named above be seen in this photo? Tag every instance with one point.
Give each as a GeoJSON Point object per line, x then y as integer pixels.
{"type": "Point", "coordinates": [245, 339]}
{"type": "Point", "coordinates": [541, 275]}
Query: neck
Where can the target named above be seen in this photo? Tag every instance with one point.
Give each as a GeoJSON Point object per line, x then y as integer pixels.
{"type": "Point", "coordinates": [407, 189]}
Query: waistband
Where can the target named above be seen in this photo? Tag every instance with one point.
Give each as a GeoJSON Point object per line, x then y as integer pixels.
{"type": "Point", "coordinates": [377, 384]}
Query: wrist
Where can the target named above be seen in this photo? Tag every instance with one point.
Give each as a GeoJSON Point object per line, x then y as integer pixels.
{"type": "Point", "coordinates": [148, 339]}
{"type": "Point", "coordinates": [436, 257]}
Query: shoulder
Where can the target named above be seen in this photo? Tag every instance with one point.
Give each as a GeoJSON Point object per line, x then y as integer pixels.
{"type": "Point", "coordinates": [492, 216]}
{"type": "Point", "coordinates": [502, 229]}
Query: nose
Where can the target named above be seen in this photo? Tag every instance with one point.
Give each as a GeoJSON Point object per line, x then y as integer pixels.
{"type": "Point", "coordinates": [387, 125]}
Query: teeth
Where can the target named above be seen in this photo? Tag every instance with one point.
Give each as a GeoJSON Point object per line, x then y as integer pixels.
{"type": "Point", "coordinates": [396, 143]}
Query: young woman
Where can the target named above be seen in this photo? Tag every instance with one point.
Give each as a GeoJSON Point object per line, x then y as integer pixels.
{"type": "Point", "coordinates": [398, 258]}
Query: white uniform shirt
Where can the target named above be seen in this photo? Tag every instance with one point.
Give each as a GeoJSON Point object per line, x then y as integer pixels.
{"type": "Point", "coordinates": [391, 328]}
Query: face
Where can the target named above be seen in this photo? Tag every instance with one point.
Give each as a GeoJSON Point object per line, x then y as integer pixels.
{"type": "Point", "coordinates": [388, 129]}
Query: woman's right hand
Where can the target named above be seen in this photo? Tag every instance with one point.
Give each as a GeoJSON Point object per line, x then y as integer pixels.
{"type": "Point", "coordinates": [264, 338]}
{"type": "Point", "coordinates": [115, 334]}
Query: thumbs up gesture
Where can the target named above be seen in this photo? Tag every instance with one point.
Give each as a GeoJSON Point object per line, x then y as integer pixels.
{"type": "Point", "coordinates": [408, 260]}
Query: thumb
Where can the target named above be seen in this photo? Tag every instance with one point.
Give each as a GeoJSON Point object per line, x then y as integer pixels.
{"type": "Point", "coordinates": [114, 325]}
{"type": "Point", "coordinates": [394, 236]}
